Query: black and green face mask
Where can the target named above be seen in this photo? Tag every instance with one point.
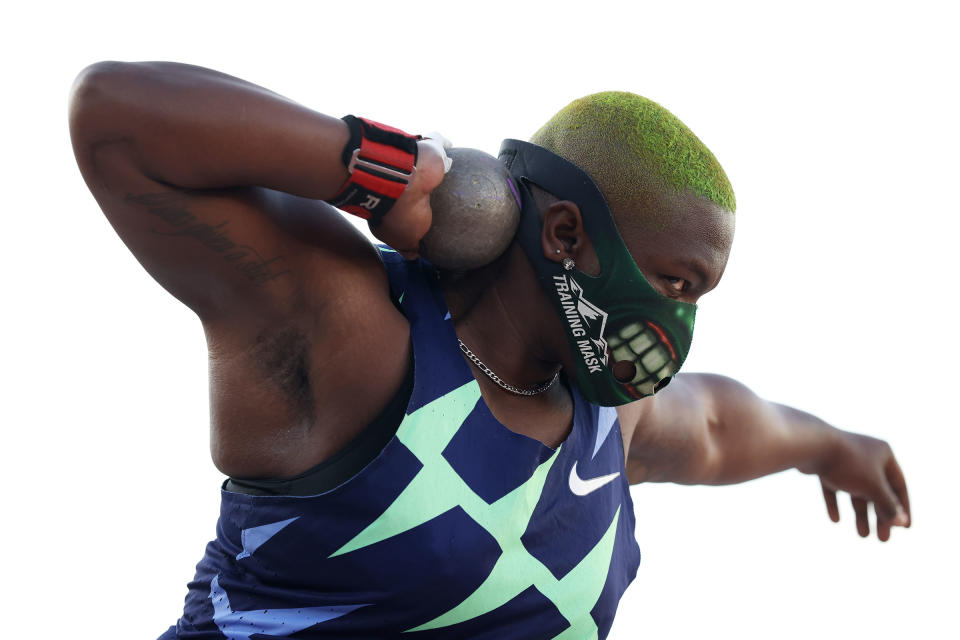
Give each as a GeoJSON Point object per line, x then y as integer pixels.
{"type": "Point", "coordinates": [614, 317]}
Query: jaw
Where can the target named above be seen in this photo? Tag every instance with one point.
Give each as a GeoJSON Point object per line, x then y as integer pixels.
{"type": "Point", "coordinates": [641, 344]}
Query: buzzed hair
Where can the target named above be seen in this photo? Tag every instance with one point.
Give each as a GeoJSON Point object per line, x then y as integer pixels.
{"type": "Point", "coordinates": [636, 151]}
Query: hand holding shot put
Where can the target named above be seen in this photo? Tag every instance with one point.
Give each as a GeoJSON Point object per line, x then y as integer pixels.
{"type": "Point", "coordinates": [440, 447]}
{"type": "Point", "coordinates": [473, 212]}
{"type": "Point", "coordinates": [411, 217]}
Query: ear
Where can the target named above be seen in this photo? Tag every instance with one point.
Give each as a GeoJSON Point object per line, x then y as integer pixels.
{"type": "Point", "coordinates": [563, 236]}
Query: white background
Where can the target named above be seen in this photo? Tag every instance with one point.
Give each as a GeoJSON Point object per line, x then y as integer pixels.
{"type": "Point", "coordinates": [837, 124]}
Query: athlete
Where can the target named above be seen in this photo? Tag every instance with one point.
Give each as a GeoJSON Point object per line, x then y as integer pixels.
{"type": "Point", "coordinates": [416, 454]}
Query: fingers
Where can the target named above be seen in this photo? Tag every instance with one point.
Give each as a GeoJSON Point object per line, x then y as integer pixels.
{"type": "Point", "coordinates": [439, 144]}
{"type": "Point", "coordinates": [871, 476]}
{"type": "Point", "coordinates": [863, 521]}
{"type": "Point", "coordinates": [432, 165]}
{"type": "Point", "coordinates": [883, 529]}
{"type": "Point", "coordinates": [440, 138]}
{"type": "Point", "coordinates": [887, 508]}
{"type": "Point", "coordinates": [887, 505]}
{"type": "Point", "coordinates": [830, 497]}
{"type": "Point", "coordinates": [899, 485]}
{"type": "Point", "coordinates": [888, 499]}
{"type": "Point", "coordinates": [442, 144]}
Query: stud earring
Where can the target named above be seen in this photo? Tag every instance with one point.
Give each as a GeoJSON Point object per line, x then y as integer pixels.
{"type": "Point", "coordinates": [558, 251]}
{"type": "Point", "coordinates": [568, 264]}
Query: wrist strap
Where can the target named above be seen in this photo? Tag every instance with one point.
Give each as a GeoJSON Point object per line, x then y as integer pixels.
{"type": "Point", "coordinates": [381, 161]}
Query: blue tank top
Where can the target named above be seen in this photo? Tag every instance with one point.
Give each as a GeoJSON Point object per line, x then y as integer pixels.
{"type": "Point", "coordinates": [459, 528]}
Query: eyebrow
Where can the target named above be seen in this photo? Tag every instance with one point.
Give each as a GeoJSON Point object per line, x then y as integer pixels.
{"type": "Point", "coordinates": [698, 268]}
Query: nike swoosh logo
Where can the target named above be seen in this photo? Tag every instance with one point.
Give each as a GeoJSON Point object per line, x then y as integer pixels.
{"type": "Point", "coordinates": [583, 487]}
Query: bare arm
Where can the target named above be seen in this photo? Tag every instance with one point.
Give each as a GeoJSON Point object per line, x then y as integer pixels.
{"type": "Point", "coordinates": [201, 129]}
{"type": "Point", "coordinates": [707, 429]}
{"type": "Point", "coordinates": [187, 164]}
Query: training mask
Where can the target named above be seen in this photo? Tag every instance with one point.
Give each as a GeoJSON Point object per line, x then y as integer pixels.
{"type": "Point", "coordinates": [611, 318]}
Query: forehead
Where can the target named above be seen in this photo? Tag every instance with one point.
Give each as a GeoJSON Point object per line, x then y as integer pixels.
{"type": "Point", "coordinates": [694, 230]}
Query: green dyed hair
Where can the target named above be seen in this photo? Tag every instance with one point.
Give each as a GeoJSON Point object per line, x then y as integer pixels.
{"type": "Point", "coordinates": [636, 151]}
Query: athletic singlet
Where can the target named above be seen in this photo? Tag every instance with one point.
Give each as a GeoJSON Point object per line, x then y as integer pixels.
{"type": "Point", "coordinates": [459, 528]}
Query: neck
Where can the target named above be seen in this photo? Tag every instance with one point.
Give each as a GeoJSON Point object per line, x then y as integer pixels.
{"type": "Point", "coordinates": [501, 313]}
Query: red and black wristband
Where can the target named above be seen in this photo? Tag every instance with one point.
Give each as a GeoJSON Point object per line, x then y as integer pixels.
{"type": "Point", "coordinates": [381, 161]}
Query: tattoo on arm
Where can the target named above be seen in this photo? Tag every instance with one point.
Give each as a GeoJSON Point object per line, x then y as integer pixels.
{"type": "Point", "coordinates": [171, 208]}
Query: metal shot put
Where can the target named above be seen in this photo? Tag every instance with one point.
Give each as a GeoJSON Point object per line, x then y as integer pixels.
{"type": "Point", "coordinates": [475, 212]}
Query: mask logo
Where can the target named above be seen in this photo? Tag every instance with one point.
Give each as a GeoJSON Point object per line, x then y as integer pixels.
{"type": "Point", "coordinates": [586, 322]}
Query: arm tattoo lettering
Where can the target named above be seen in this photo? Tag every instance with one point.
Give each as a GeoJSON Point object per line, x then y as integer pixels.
{"type": "Point", "coordinates": [171, 208]}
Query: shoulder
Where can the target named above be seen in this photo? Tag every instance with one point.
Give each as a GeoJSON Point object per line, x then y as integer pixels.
{"type": "Point", "coordinates": [635, 417]}
{"type": "Point", "coordinates": [652, 418]}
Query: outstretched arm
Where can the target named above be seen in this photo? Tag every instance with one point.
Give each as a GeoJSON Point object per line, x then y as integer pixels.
{"type": "Point", "coordinates": [708, 429]}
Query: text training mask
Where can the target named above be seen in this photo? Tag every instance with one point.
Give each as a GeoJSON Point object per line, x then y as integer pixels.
{"type": "Point", "coordinates": [611, 318]}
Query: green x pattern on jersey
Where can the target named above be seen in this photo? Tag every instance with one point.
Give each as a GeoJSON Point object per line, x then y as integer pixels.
{"type": "Point", "coordinates": [437, 488]}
